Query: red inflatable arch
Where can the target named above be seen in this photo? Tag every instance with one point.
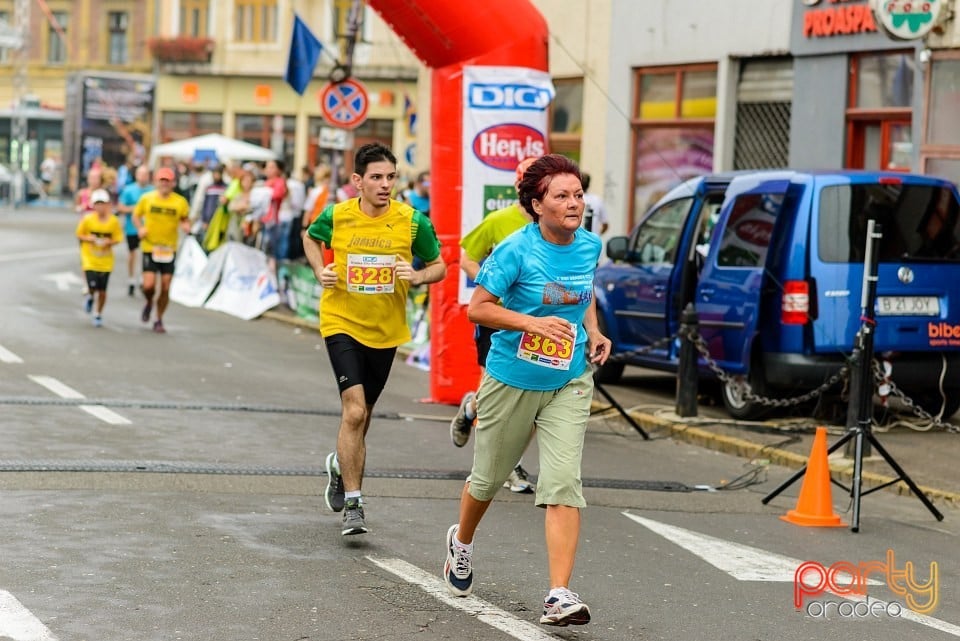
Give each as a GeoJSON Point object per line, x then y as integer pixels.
{"type": "Point", "coordinates": [446, 36]}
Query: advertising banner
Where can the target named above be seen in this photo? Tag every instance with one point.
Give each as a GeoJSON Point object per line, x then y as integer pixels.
{"type": "Point", "coordinates": [116, 118]}
{"type": "Point", "coordinates": [196, 274]}
{"type": "Point", "coordinates": [301, 290]}
{"type": "Point", "coordinates": [247, 286]}
{"type": "Point", "coordinates": [504, 121]}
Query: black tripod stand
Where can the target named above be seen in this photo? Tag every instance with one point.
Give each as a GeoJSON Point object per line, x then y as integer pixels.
{"type": "Point", "coordinates": [863, 431]}
{"type": "Point", "coordinates": [598, 387]}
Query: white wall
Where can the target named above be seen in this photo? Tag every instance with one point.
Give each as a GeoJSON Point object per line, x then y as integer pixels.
{"type": "Point", "coordinates": [579, 37]}
{"type": "Point", "coordinates": [648, 33]}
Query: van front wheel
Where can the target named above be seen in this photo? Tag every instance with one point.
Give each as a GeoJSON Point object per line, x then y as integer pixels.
{"type": "Point", "coordinates": [733, 394]}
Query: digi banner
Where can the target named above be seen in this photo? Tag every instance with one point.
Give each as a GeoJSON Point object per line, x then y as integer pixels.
{"type": "Point", "coordinates": [504, 121]}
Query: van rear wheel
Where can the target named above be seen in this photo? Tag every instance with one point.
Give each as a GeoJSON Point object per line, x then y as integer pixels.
{"type": "Point", "coordinates": [933, 403]}
{"type": "Point", "coordinates": [733, 395]}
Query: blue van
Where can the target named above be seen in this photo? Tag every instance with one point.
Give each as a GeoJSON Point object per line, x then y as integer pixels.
{"type": "Point", "coordinates": [773, 263]}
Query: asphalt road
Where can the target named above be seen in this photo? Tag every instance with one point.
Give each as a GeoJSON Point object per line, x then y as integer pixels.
{"type": "Point", "coordinates": [180, 498]}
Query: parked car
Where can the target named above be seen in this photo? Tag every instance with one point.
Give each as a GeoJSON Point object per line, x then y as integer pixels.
{"type": "Point", "coordinates": [773, 263]}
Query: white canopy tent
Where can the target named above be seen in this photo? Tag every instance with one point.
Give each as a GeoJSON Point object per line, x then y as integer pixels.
{"type": "Point", "coordinates": [225, 148]}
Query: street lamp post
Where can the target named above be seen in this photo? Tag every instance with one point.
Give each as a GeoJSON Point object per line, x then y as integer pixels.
{"type": "Point", "coordinates": [16, 39]}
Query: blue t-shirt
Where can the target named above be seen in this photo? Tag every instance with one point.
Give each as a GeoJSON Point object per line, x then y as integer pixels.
{"type": "Point", "coordinates": [533, 276]}
{"type": "Point", "coordinates": [418, 202]}
{"type": "Point", "coordinates": [129, 197]}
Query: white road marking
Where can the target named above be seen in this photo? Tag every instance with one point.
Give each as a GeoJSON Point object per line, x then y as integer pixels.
{"type": "Point", "coordinates": [474, 606]}
{"type": "Point", "coordinates": [6, 356]}
{"type": "Point", "coordinates": [746, 563]}
{"type": "Point", "coordinates": [44, 253]}
{"type": "Point", "coordinates": [64, 280]}
{"type": "Point", "coordinates": [55, 386]}
{"type": "Point", "coordinates": [18, 623]}
{"type": "Point", "coordinates": [105, 414]}
{"type": "Point", "coordinates": [65, 391]}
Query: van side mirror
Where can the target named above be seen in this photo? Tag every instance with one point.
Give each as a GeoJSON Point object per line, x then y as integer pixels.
{"type": "Point", "coordinates": [617, 248]}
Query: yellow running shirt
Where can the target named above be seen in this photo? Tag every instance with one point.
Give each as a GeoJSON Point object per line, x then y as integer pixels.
{"type": "Point", "coordinates": [161, 216]}
{"type": "Point", "coordinates": [92, 257]}
{"type": "Point", "coordinates": [369, 303]}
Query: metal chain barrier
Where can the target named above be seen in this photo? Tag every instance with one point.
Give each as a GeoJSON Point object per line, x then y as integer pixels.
{"type": "Point", "coordinates": [749, 395]}
{"type": "Point", "coordinates": [880, 377]}
{"type": "Point", "coordinates": [747, 392]}
{"type": "Point", "coordinates": [625, 356]}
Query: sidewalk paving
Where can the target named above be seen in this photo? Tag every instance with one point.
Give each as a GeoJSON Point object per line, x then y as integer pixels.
{"type": "Point", "coordinates": [929, 458]}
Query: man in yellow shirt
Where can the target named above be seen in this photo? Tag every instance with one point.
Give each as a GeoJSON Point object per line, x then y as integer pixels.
{"type": "Point", "coordinates": [158, 216]}
{"type": "Point", "coordinates": [363, 320]}
{"type": "Point", "coordinates": [98, 232]}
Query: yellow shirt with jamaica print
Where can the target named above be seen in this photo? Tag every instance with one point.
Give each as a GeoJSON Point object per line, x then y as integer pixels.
{"type": "Point", "coordinates": [369, 303]}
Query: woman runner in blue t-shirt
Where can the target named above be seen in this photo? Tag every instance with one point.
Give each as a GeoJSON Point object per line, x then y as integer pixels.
{"type": "Point", "coordinates": [537, 375]}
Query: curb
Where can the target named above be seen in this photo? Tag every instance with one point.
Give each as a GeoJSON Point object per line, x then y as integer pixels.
{"type": "Point", "coordinates": [733, 445]}
{"type": "Point", "coordinates": [750, 450]}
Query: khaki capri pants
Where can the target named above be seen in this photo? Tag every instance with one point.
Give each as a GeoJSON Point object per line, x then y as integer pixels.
{"type": "Point", "coordinates": [506, 418]}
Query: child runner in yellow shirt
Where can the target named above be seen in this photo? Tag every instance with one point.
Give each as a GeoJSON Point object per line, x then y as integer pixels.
{"type": "Point", "coordinates": [98, 232]}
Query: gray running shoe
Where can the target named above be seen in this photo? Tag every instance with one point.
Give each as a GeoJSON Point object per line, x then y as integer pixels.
{"type": "Point", "coordinates": [518, 482]}
{"type": "Point", "coordinates": [564, 608]}
{"type": "Point", "coordinates": [460, 425]}
{"type": "Point", "coordinates": [458, 567]}
{"type": "Point", "coordinates": [353, 522]}
{"type": "Point", "coordinates": [334, 492]}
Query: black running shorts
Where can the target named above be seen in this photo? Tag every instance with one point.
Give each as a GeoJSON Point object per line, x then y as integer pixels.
{"type": "Point", "coordinates": [97, 281]}
{"type": "Point", "coordinates": [356, 364]}
{"type": "Point", "coordinates": [150, 266]}
{"type": "Point", "coordinates": [482, 336]}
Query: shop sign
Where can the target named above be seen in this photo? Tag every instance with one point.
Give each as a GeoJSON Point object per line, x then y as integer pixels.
{"type": "Point", "coordinates": [827, 18]}
{"type": "Point", "coordinates": [909, 19]}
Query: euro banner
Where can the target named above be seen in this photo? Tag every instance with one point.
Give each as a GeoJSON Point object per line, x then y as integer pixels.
{"type": "Point", "coordinates": [247, 286]}
{"type": "Point", "coordinates": [504, 122]}
{"type": "Point", "coordinates": [196, 274]}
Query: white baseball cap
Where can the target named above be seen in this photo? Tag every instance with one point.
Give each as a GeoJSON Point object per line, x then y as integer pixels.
{"type": "Point", "coordinates": [99, 196]}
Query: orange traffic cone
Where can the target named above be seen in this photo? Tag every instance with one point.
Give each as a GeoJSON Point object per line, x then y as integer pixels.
{"type": "Point", "coordinates": [815, 505]}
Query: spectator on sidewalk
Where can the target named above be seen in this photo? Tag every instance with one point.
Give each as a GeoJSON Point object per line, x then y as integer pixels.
{"type": "Point", "coordinates": [318, 196]}
{"type": "Point", "coordinates": [291, 211]}
{"type": "Point", "coordinates": [418, 196]}
{"type": "Point", "coordinates": [594, 213]}
{"type": "Point", "coordinates": [211, 200]}
{"type": "Point", "coordinates": [276, 182]}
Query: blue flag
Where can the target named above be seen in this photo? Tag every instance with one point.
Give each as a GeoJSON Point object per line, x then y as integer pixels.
{"type": "Point", "coordinates": [304, 52]}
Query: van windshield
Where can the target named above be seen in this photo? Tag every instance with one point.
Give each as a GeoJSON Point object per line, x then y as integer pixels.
{"type": "Point", "coordinates": [919, 222]}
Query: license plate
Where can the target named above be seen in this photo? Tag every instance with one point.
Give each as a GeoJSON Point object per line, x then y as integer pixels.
{"type": "Point", "coordinates": [908, 306]}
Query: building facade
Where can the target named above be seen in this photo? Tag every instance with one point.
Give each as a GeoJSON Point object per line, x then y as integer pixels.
{"type": "Point", "coordinates": [697, 87]}
{"type": "Point", "coordinates": [234, 83]}
{"type": "Point", "coordinates": [63, 37]}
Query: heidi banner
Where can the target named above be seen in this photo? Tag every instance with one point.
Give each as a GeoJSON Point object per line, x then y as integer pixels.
{"type": "Point", "coordinates": [504, 121]}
